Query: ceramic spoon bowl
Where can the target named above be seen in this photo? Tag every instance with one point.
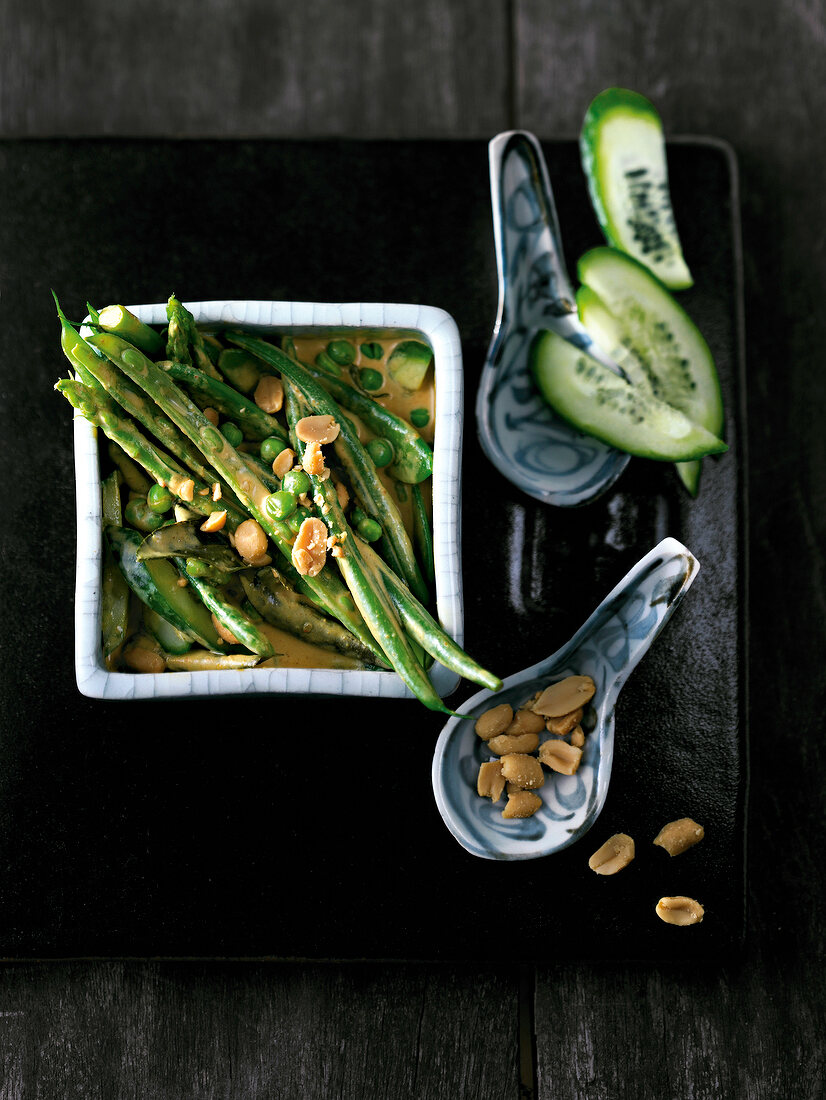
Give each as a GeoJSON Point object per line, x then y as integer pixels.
{"type": "Point", "coordinates": [607, 647]}
{"type": "Point", "coordinates": [522, 437]}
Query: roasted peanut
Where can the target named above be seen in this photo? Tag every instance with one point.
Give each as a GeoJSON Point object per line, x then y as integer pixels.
{"type": "Point", "coordinates": [490, 782]}
{"type": "Point", "coordinates": [505, 743]}
{"type": "Point", "coordinates": [317, 429]}
{"type": "Point", "coordinates": [615, 853]}
{"type": "Point", "coordinates": [565, 723]}
{"type": "Point", "coordinates": [522, 804]}
{"type": "Point", "coordinates": [141, 659]}
{"type": "Point", "coordinates": [212, 416]}
{"type": "Point", "coordinates": [560, 756]}
{"type": "Point", "coordinates": [269, 394]}
{"type": "Point", "coordinates": [522, 770]}
{"type": "Point", "coordinates": [494, 721]}
{"type": "Point", "coordinates": [250, 540]}
{"type": "Point", "coordinates": [309, 552]}
{"type": "Point", "coordinates": [565, 696]}
{"type": "Point", "coordinates": [680, 910]}
{"type": "Point", "coordinates": [283, 461]}
{"type": "Point", "coordinates": [525, 721]}
{"type": "Point", "coordinates": [214, 521]}
{"type": "Point", "coordinates": [679, 835]}
{"type": "Point", "coordinates": [578, 737]}
{"type": "Point", "coordinates": [313, 460]}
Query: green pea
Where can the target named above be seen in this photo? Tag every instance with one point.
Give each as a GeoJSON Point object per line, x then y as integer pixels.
{"type": "Point", "coordinates": [197, 567]}
{"type": "Point", "coordinates": [159, 499]}
{"type": "Point", "coordinates": [296, 482]}
{"type": "Point", "coordinates": [371, 379]}
{"type": "Point", "coordinates": [341, 351]}
{"type": "Point", "coordinates": [232, 433]}
{"type": "Point", "coordinates": [419, 418]}
{"type": "Point", "coordinates": [372, 350]}
{"type": "Point", "coordinates": [381, 451]}
{"type": "Point", "coordinates": [324, 361]}
{"type": "Point", "coordinates": [271, 448]}
{"type": "Point", "coordinates": [297, 518]}
{"type": "Point", "coordinates": [357, 516]}
{"type": "Point", "coordinates": [140, 515]}
{"type": "Point", "coordinates": [369, 529]}
{"type": "Point", "coordinates": [280, 505]}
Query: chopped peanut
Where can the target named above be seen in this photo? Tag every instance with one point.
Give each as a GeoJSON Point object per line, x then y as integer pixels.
{"type": "Point", "coordinates": [560, 757]}
{"type": "Point", "coordinates": [314, 459]}
{"type": "Point", "coordinates": [616, 853]}
{"type": "Point", "coordinates": [680, 910]}
{"type": "Point", "coordinates": [578, 737]}
{"type": "Point", "coordinates": [216, 491]}
{"type": "Point", "coordinates": [522, 770]}
{"type": "Point", "coordinates": [525, 721]}
{"type": "Point", "coordinates": [317, 429]}
{"type": "Point", "coordinates": [250, 540]}
{"type": "Point", "coordinates": [491, 782]}
{"type": "Point", "coordinates": [309, 552]}
{"type": "Point", "coordinates": [283, 461]}
{"type": "Point", "coordinates": [186, 490]}
{"type": "Point", "coordinates": [214, 521]}
{"type": "Point", "coordinates": [677, 836]}
{"type": "Point", "coordinates": [494, 721]}
{"type": "Point", "coordinates": [522, 804]}
{"type": "Point", "coordinates": [141, 659]}
{"type": "Point", "coordinates": [565, 723]}
{"type": "Point", "coordinates": [505, 743]}
{"type": "Point", "coordinates": [269, 394]}
{"type": "Point", "coordinates": [565, 696]}
{"type": "Point", "coordinates": [212, 416]}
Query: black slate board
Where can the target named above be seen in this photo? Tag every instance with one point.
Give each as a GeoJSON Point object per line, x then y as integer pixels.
{"type": "Point", "coordinates": [178, 829]}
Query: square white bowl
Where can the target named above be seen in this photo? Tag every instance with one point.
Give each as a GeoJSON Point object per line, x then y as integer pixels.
{"type": "Point", "coordinates": [298, 318]}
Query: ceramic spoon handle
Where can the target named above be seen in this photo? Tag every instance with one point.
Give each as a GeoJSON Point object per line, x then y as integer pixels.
{"type": "Point", "coordinates": [628, 620]}
{"type": "Point", "coordinates": [532, 274]}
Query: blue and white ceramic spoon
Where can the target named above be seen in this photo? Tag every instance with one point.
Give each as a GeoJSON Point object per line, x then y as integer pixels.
{"type": "Point", "coordinates": [522, 437]}
{"type": "Point", "coordinates": [608, 648]}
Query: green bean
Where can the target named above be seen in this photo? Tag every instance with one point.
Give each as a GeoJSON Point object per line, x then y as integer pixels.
{"type": "Point", "coordinates": [120, 320]}
{"type": "Point", "coordinates": [255, 423]}
{"type": "Point", "coordinates": [396, 545]}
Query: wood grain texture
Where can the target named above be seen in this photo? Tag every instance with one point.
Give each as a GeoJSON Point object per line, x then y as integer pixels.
{"type": "Point", "coordinates": [753, 78]}
{"type": "Point", "coordinates": [235, 1031]}
{"type": "Point", "coordinates": [254, 67]}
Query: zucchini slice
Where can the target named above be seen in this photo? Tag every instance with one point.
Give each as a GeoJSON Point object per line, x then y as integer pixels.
{"type": "Point", "coordinates": [155, 583]}
{"type": "Point", "coordinates": [600, 403]}
{"type": "Point", "coordinates": [623, 156]}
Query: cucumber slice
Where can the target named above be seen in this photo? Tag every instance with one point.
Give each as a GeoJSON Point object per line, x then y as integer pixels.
{"type": "Point", "coordinates": [659, 332]}
{"type": "Point", "coordinates": [408, 364]}
{"type": "Point", "coordinates": [155, 583]}
{"type": "Point", "coordinates": [170, 639]}
{"type": "Point", "coordinates": [608, 333]}
{"type": "Point", "coordinates": [602, 404]}
{"type": "Point", "coordinates": [623, 155]}
{"type": "Point", "coordinates": [232, 618]}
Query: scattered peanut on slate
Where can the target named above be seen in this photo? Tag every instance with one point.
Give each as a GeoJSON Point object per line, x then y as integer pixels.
{"type": "Point", "coordinates": [514, 737]}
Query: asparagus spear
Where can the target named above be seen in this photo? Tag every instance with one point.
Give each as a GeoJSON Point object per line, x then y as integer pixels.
{"type": "Point", "coordinates": [120, 320]}
{"type": "Point", "coordinates": [183, 335]}
{"type": "Point", "coordinates": [370, 597]}
{"type": "Point", "coordinates": [325, 588]}
{"type": "Point", "coordinates": [102, 411]}
{"type": "Point", "coordinates": [396, 545]}
{"type": "Point", "coordinates": [254, 422]}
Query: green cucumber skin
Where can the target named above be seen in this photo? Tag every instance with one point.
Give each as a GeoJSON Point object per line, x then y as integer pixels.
{"type": "Point", "coordinates": [607, 331]}
{"type": "Point", "coordinates": [619, 103]}
{"type": "Point", "coordinates": [169, 638]}
{"type": "Point", "coordinates": [622, 283]}
{"type": "Point", "coordinates": [584, 393]}
{"type": "Point", "coordinates": [154, 582]}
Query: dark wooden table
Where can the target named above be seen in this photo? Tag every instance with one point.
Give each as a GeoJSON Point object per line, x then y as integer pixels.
{"type": "Point", "coordinates": [749, 73]}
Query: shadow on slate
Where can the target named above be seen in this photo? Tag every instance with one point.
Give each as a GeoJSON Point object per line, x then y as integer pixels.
{"type": "Point", "coordinates": [190, 828]}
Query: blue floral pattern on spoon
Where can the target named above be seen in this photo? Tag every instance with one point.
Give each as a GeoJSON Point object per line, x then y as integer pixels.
{"type": "Point", "coordinates": [522, 437]}
{"type": "Point", "coordinates": [607, 648]}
